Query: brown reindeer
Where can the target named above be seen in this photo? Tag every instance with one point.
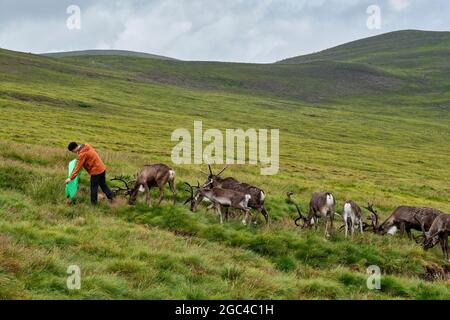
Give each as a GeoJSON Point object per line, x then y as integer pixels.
{"type": "Point", "coordinates": [406, 218]}
{"type": "Point", "coordinates": [352, 216]}
{"type": "Point", "coordinates": [373, 217]}
{"type": "Point", "coordinates": [258, 196]}
{"type": "Point", "coordinates": [438, 231]}
{"type": "Point", "coordinates": [220, 197]}
{"type": "Point", "coordinates": [126, 190]}
{"type": "Point", "coordinates": [321, 204]}
{"type": "Point", "coordinates": [157, 175]}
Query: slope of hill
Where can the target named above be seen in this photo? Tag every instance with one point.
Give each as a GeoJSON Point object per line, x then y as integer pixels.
{"type": "Point", "coordinates": [389, 147]}
{"type": "Point", "coordinates": [122, 53]}
{"type": "Point", "coordinates": [312, 82]}
{"type": "Point", "coordinates": [406, 62]}
{"type": "Point", "coordinates": [397, 43]}
{"type": "Point", "coordinates": [412, 52]}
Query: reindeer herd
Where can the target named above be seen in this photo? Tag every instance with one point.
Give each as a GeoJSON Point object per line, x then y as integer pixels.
{"type": "Point", "coordinates": [228, 193]}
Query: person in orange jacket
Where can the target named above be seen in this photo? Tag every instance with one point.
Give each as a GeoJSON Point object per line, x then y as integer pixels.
{"type": "Point", "coordinates": [89, 159]}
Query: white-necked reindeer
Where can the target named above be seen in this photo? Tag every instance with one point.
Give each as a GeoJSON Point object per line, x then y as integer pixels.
{"type": "Point", "coordinates": [352, 216]}
{"type": "Point", "coordinates": [321, 204]}
{"type": "Point", "coordinates": [221, 197]}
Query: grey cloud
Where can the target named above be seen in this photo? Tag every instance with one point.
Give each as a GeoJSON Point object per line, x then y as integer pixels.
{"type": "Point", "coordinates": [231, 30]}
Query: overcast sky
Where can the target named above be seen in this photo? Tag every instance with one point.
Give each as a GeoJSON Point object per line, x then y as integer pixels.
{"type": "Point", "coordinates": [224, 30]}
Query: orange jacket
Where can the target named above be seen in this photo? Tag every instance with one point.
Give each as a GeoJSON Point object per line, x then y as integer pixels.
{"type": "Point", "coordinates": [88, 159]}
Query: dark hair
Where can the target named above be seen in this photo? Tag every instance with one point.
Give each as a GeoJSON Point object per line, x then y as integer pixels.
{"type": "Point", "coordinates": [72, 146]}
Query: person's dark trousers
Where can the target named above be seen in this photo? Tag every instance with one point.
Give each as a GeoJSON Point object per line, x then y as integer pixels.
{"type": "Point", "coordinates": [96, 181]}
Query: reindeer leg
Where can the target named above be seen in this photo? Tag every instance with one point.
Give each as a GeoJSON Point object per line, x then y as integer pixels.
{"type": "Point", "coordinates": [352, 226]}
{"type": "Point", "coordinates": [265, 213]}
{"type": "Point", "coordinates": [244, 221]}
{"type": "Point", "coordinates": [408, 232]}
{"type": "Point", "coordinates": [173, 187]}
{"type": "Point", "coordinates": [402, 229]}
{"type": "Point", "coordinates": [161, 195]}
{"type": "Point", "coordinates": [147, 188]}
{"type": "Point", "coordinates": [443, 239]}
{"type": "Point", "coordinates": [211, 206]}
{"type": "Point", "coordinates": [332, 211]}
{"type": "Point", "coordinates": [325, 221]}
{"type": "Point", "coordinates": [446, 245]}
{"type": "Point", "coordinates": [220, 213]}
{"type": "Point", "coordinates": [346, 225]}
{"type": "Point", "coordinates": [226, 213]}
{"type": "Point", "coordinates": [442, 243]}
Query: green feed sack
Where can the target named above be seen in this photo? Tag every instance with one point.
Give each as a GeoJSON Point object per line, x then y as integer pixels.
{"type": "Point", "coordinates": [72, 186]}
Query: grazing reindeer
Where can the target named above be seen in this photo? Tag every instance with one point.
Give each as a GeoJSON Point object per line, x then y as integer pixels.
{"type": "Point", "coordinates": [321, 203]}
{"type": "Point", "coordinates": [406, 218]}
{"type": "Point", "coordinates": [352, 216]}
{"type": "Point", "coordinates": [221, 197]}
{"type": "Point", "coordinates": [258, 196]}
{"type": "Point", "coordinates": [127, 183]}
{"type": "Point", "coordinates": [425, 217]}
{"type": "Point", "coordinates": [157, 175]}
{"type": "Point", "coordinates": [299, 211]}
{"type": "Point", "coordinates": [374, 217]}
{"type": "Point", "coordinates": [439, 231]}
{"type": "Point", "coordinates": [195, 199]}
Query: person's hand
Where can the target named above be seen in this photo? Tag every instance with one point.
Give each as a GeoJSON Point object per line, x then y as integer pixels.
{"type": "Point", "coordinates": [67, 181]}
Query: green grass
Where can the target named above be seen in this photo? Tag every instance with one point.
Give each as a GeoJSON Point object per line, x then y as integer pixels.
{"type": "Point", "coordinates": [387, 146]}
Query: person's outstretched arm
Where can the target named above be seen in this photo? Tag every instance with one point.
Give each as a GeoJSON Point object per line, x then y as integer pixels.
{"type": "Point", "coordinates": [80, 163]}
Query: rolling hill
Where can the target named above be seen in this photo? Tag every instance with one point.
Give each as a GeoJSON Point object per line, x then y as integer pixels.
{"type": "Point", "coordinates": [365, 131]}
{"type": "Point", "coordinates": [410, 62]}
{"type": "Point", "coordinates": [121, 53]}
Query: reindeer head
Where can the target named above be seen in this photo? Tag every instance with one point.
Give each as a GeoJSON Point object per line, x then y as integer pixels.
{"type": "Point", "coordinates": [374, 217]}
{"type": "Point", "coordinates": [195, 196]}
{"type": "Point", "coordinates": [300, 215]}
{"type": "Point", "coordinates": [125, 190]}
{"type": "Point", "coordinates": [430, 241]}
{"type": "Point", "coordinates": [212, 178]}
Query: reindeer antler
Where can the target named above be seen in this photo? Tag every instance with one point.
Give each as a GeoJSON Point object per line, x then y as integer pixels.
{"type": "Point", "coordinates": [191, 190]}
{"type": "Point", "coordinates": [299, 211]}
{"type": "Point", "coordinates": [375, 215]}
{"type": "Point", "coordinates": [221, 171]}
{"type": "Point", "coordinates": [122, 179]}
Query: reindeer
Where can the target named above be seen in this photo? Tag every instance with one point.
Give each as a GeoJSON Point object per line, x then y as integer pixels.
{"type": "Point", "coordinates": [438, 231]}
{"type": "Point", "coordinates": [157, 175]}
{"type": "Point", "coordinates": [352, 216]}
{"type": "Point", "coordinates": [425, 217]}
{"type": "Point", "coordinates": [196, 199]}
{"type": "Point", "coordinates": [406, 218]}
{"type": "Point", "coordinates": [126, 190]}
{"type": "Point", "coordinates": [321, 203]}
{"type": "Point", "coordinates": [299, 211]}
{"type": "Point", "coordinates": [258, 196]}
{"type": "Point", "coordinates": [220, 197]}
{"type": "Point", "coordinates": [373, 217]}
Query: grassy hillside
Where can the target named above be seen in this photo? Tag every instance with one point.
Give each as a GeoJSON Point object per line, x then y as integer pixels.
{"type": "Point", "coordinates": [120, 53]}
{"type": "Point", "coordinates": [391, 148]}
{"type": "Point", "coordinates": [411, 52]}
{"type": "Point", "coordinates": [405, 62]}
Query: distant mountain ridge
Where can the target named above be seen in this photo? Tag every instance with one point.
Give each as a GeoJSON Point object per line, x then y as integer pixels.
{"type": "Point", "coordinates": [406, 62]}
{"type": "Point", "coordinates": [392, 43]}
{"type": "Point", "coordinates": [106, 53]}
